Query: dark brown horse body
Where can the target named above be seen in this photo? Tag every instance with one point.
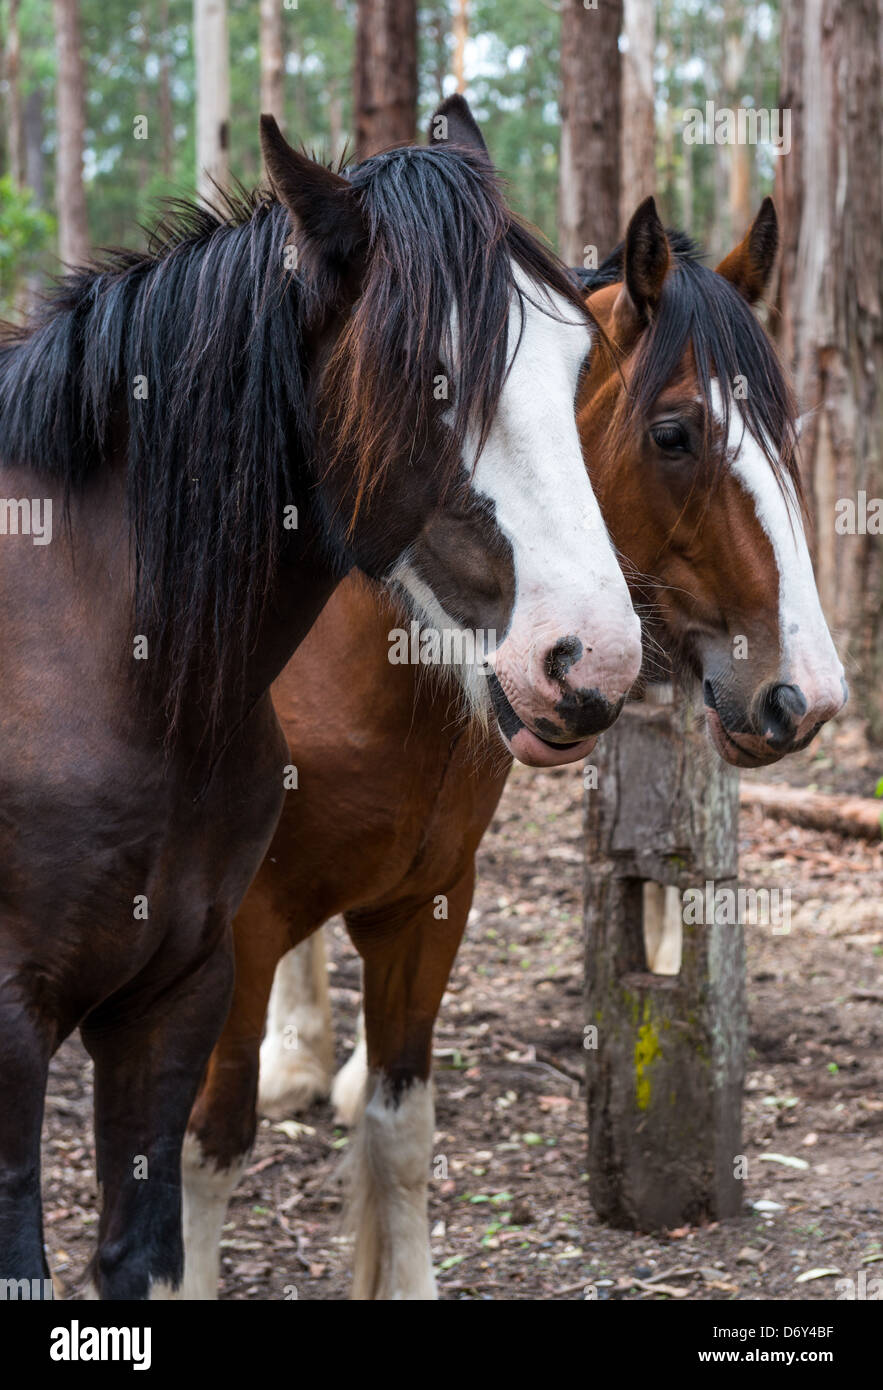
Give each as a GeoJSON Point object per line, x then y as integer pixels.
{"type": "Point", "coordinates": [395, 792]}
{"type": "Point", "coordinates": [185, 406]}
{"type": "Point", "coordinates": [119, 881]}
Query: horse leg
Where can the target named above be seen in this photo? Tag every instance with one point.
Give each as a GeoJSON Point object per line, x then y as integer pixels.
{"type": "Point", "coordinates": [348, 1091]}
{"type": "Point", "coordinates": [222, 1125]}
{"type": "Point", "coordinates": [408, 955]}
{"type": "Point", "coordinates": [24, 1063]}
{"type": "Point", "coordinates": [297, 1054]}
{"type": "Point", "coordinates": [150, 1053]}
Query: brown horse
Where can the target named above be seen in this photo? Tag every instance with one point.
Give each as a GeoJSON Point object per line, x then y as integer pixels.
{"type": "Point", "coordinates": [375, 370]}
{"type": "Point", "coordinates": [700, 491]}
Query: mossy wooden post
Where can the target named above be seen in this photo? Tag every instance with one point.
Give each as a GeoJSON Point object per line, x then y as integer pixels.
{"type": "Point", "coordinates": [665, 1052]}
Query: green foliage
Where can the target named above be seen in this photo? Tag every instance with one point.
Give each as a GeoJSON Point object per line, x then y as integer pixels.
{"type": "Point", "coordinates": [512, 73]}
{"type": "Point", "coordinates": [696, 42]}
{"type": "Point", "coordinates": [25, 233]}
{"type": "Point", "coordinates": [515, 95]}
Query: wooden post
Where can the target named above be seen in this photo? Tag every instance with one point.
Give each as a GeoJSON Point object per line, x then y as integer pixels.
{"type": "Point", "coordinates": [665, 1051]}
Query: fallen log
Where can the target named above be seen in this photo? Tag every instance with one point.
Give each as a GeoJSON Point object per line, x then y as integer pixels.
{"type": "Point", "coordinates": [858, 816]}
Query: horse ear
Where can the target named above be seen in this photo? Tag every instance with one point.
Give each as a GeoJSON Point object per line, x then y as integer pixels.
{"type": "Point", "coordinates": [454, 124]}
{"type": "Point", "coordinates": [750, 265]}
{"type": "Point", "coordinates": [328, 223]}
{"type": "Point", "coordinates": [647, 259]}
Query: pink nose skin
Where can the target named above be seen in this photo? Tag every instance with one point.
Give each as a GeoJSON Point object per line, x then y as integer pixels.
{"type": "Point", "coordinates": [553, 698]}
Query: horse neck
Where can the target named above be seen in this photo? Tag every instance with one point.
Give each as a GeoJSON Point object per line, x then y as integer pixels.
{"type": "Point", "coordinates": [305, 582]}
{"type": "Point", "coordinates": [306, 576]}
{"type": "Point", "coordinates": [96, 574]}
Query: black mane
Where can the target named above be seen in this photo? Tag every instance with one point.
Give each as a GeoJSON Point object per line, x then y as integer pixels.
{"type": "Point", "coordinates": [224, 440]}
{"type": "Point", "coordinates": [206, 320]}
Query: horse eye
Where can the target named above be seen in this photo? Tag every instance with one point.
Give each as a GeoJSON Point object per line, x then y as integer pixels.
{"type": "Point", "coordinates": [671, 437]}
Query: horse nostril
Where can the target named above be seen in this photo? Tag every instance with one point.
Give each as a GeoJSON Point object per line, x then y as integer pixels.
{"type": "Point", "coordinates": [780, 711]}
{"type": "Point", "coordinates": [566, 652]}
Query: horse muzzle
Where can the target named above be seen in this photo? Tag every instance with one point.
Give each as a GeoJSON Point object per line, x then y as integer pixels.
{"type": "Point", "coordinates": [548, 711]}
{"type": "Point", "coordinates": [529, 747]}
{"type": "Point", "coordinates": [782, 719]}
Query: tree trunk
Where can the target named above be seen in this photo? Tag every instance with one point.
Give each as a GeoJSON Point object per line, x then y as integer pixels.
{"type": "Point", "coordinates": [740, 153]}
{"type": "Point", "coordinates": [638, 174]}
{"type": "Point", "coordinates": [3, 150]}
{"type": "Point", "coordinates": [336, 132]}
{"type": "Point", "coordinates": [35, 164]}
{"type": "Point", "coordinates": [300, 104]}
{"type": "Point", "coordinates": [687, 186]}
{"type": "Point", "coordinates": [143, 146]}
{"type": "Point", "coordinates": [831, 294]}
{"type": "Point", "coordinates": [385, 75]}
{"type": "Point", "coordinates": [721, 237]}
{"type": "Point", "coordinates": [272, 92]}
{"type": "Point", "coordinates": [588, 178]}
{"type": "Point", "coordinates": [14, 146]}
{"type": "Point", "coordinates": [684, 53]}
{"type": "Point", "coordinates": [166, 133]}
{"type": "Point", "coordinates": [671, 121]}
{"type": "Point", "coordinates": [461, 34]}
{"type": "Point", "coordinates": [212, 96]}
{"type": "Point", "coordinates": [70, 196]}
{"type": "Point", "coordinates": [335, 124]}
{"type": "Point", "coordinates": [440, 27]}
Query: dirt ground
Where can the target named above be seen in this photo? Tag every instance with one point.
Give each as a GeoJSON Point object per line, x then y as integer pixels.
{"type": "Point", "coordinates": [510, 1212]}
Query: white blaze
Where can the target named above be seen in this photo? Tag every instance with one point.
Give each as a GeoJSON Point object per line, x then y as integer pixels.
{"type": "Point", "coordinates": [808, 657]}
{"type": "Point", "coordinates": [567, 578]}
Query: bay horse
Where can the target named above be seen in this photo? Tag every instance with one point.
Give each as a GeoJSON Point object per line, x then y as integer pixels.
{"type": "Point", "coordinates": [699, 486]}
{"type": "Point", "coordinates": [224, 426]}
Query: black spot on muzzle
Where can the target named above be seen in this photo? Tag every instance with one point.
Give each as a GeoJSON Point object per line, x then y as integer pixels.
{"type": "Point", "coordinates": [583, 713]}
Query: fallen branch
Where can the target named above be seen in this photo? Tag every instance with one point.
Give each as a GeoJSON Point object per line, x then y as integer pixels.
{"type": "Point", "coordinates": [537, 1057]}
{"type": "Point", "coordinates": [858, 816]}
